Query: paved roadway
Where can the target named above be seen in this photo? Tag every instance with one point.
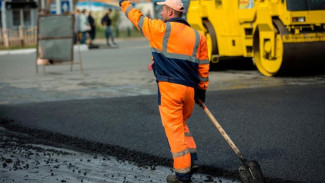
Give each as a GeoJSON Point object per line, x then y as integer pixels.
{"type": "Point", "coordinates": [282, 128]}
{"type": "Point", "coordinates": [277, 121]}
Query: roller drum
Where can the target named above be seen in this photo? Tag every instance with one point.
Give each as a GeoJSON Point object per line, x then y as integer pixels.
{"type": "Point", "coordinates": [301, 57]}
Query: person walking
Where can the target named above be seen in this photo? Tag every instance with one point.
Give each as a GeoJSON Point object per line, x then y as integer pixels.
{"type": "Point", "coordinates": [92, 32]}
{"type": "Point", "coordinates": [181, 68]}
{"type": "Point", "coordinates": [107, 21]}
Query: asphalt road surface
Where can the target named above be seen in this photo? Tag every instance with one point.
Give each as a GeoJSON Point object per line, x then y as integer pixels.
{"type": "Point", "coordinates": [282, 128]}
{"type": "Point", "coordinates": [111, 109]}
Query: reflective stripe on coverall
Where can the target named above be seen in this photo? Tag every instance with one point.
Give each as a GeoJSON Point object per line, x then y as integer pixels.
{"type": "Point", "coordinates": [181, 66]}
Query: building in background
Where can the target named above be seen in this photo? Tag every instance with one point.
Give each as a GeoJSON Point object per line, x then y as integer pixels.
{"type": "Point", "coordinates": [17, 13]}
{"type": "Point", "coordinates": [18, 19]}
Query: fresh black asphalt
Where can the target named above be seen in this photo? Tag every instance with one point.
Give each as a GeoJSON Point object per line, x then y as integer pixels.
{"type": "Point", "coordinates": [282, 128]}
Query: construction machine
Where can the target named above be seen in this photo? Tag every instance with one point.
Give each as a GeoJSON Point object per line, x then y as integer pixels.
{"type": "Point", "coordinates": [279, 35]}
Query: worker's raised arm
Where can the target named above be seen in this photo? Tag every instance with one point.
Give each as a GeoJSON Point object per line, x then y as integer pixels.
{"type": "Point", "coordinates": [203, 63]}
{"type": "Point", "coordinates": [147, 26]}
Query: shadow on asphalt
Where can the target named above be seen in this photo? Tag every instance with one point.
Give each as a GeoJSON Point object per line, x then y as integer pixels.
{"type": "Point", "coordinates": [240, 64]}
{"type": "Point", "coordinates": [102, 46]}
{"type": "Point", "coordinates": [246, 64]}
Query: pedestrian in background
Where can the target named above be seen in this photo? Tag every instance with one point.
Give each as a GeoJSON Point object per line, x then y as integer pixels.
{"type": "Point", "coordinates": [148, 14]}
{"type": "Point", "coordinates": [84, 26]}
{"type": "Point", "coordinates": [107, 21]}
{"type": "Point", "coordinates": [181, 67]}
{"type": "Point", "coordinates": [76, 26]}
{"type": "Point", "coordinates": [92, 32]}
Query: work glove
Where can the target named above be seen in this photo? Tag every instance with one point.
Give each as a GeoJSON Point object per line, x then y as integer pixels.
{"type": "Point", "coordinates": [121, 1]}
{"type": "Point", "coordinates": [151, 66]}
{"type": "Point", "coordinates": [199, 94]}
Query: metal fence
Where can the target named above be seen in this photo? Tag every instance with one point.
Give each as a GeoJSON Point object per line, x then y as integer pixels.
{"type": "Point", "coordinates": [18, 37]}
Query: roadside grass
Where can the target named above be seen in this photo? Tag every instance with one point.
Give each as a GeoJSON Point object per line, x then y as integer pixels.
{"type": "Point", "coordinates": [100, 34]}
{"type": "Point", "coordinates": [132, 32]}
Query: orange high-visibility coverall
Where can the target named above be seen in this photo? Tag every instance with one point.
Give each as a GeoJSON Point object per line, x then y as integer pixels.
{"type": "Point", "coordinates": [181, 66]}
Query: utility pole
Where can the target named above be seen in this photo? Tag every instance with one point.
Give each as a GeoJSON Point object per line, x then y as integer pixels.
{"type": "Point", "coordinates": [4, 23]}
{"type": "Point", "coordinates": [43, 4]}
{"type": "Point", "coordinates": [58, 7]}
{"type": "Point", "coordinates": [3, 14]}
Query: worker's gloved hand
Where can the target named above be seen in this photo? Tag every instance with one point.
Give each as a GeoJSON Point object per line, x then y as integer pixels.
{"type": "Point", "coordinates": [199, 94]}
{"type": "Point", "coordinates": [121, 1]}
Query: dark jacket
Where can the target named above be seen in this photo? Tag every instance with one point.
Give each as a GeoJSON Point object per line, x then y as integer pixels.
{"type": "Point", "coordinates": [106, 20]}
{"type": "Point", "coordinates": [92, 24]}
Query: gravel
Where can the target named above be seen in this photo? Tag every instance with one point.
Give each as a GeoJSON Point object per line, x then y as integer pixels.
{"type": "Point", "coordinates": [31, 158]}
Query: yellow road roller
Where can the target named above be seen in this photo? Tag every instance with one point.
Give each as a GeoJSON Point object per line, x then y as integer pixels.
{"type": "Point", "coordinates": [280, 35]}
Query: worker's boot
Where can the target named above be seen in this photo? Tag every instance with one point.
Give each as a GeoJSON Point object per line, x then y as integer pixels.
{"type": "Point", "coordinates": [174, 179]}
{"type": "Point", "coordinates": [194, 168]}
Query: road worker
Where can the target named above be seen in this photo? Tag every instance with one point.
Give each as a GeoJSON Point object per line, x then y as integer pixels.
{"type": "Point", "coordinates": [181, 67]}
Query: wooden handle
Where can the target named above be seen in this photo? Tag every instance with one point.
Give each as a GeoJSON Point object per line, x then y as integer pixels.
{"type": "Point", "coordinates": [223, 133]}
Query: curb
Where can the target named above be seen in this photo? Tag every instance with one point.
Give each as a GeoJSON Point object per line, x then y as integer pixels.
{"type": "Point", "coordinates": [83, 47]}
{"type": "Point", "coordinates": [16, 52]}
